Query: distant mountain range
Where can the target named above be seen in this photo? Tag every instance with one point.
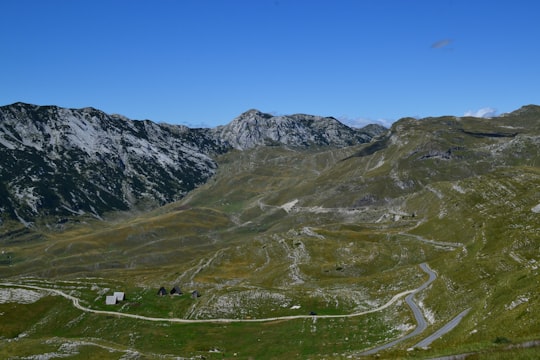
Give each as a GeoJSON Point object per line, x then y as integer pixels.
{"type": "Point", "coordinates": [58, 163]}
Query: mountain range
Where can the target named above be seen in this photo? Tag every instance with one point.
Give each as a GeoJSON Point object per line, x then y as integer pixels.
{"type": "Point", "coordinates": [63, 163]}
{"type": "Point", "coordinates": [303, 238]}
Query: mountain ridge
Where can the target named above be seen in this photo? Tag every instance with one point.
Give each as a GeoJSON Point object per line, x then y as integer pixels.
{"type": "Point", "coordinates": [253, 128]}
{"type": "Point", "coordinates": [288, 230]}
{"type": "Point", "coordinates": [64, 162]}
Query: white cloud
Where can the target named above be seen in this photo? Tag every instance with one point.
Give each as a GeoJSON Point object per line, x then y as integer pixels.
{"type": "Point", "coordinates": [486, 112]}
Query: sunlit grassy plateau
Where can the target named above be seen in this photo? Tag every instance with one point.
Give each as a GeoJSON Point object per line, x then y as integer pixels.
{"type": "Point", "coordinates": [284, 231]}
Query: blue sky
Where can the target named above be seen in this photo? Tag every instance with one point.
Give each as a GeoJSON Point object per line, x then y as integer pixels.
{"type": "Point", "coordinates": [203, 62]}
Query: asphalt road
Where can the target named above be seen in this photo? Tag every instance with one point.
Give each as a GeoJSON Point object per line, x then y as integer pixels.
{"type": "Point", "coordinates": [418, 315]}
{"type": "Point", "coordinates": [409, 299]}
{"type": "Point", "coordinates": [446, 328]}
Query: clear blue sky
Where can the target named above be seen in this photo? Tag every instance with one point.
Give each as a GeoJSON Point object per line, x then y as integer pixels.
{"type": "Point", "coordinates": [203, 62]}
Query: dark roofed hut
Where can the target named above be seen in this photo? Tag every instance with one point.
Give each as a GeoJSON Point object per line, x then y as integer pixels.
{"type": "Point", "coordinates": [176, 291]}
{"type": "Point", "coordinates": [195, 294]}
{"type": "Point", "coordinates": [162, 291]}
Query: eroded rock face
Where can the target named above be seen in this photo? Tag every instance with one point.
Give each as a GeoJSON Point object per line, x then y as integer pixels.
{"type": "Point", "coordinates": [61, 162]}
{"type": "Point", "coordinates": [254, 128]}
{"type": "Point", "coordinates": [68, 162]}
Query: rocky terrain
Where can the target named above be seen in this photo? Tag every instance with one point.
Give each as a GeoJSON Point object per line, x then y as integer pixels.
{"type": "Point", "coordinates": [422, 243]}
{"type": "Point", "coordinates": [64, 163]}
{"type": "Point", "coordinates": [254, 128]}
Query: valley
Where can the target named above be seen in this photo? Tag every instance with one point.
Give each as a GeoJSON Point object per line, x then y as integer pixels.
{"type": "Point", "coordinates": [431, 229]}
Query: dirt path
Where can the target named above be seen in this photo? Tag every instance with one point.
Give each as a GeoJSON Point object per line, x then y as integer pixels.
{"type": "Point", "coordinates": [77, 304]}
{"type": "Point", "coordinates": [419, 316]}
{"type": "Point", "coordinates": [434, 242]}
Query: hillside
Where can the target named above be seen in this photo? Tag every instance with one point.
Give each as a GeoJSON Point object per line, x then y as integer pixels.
{"type": "Point", "coordinates": [282, 231]}
{"type": "Point", "coordinates": [59, 164]}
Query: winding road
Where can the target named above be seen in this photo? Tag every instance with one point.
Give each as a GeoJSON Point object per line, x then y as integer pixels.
{"type": "Point", "coordinates": [420, 319]}
{"type": "Point", "coordinates": [418, 315]}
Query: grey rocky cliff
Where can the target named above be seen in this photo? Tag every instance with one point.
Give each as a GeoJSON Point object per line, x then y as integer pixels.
{"type": "Point", "coordinates": [62, 162]}
{"type": "Point", "coordinates": [254, 128]}
{"type": "Point", "coordinates": [59, 163]}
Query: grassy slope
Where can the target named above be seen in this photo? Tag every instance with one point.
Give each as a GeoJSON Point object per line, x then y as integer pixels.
{"type": "Point", "coordinates": [343, 247]}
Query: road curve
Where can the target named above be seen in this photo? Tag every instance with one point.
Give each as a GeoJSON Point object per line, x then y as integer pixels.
{"type": "Point", "coordinates": [422, 324]}
{"type": "Point", "coordinates": [409, 299]}
{"type": "Point", "coordinates": [443, 330]}
{"type": "Point", "coordinates": [418, 315]}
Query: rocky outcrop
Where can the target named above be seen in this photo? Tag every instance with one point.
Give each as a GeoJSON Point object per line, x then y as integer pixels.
{"type": "Point", "coordinates": [60, 162]}
{"type": "Point", "coordinates": [64, 162]}
{"type": "Point", "coordinates": [254, 128]}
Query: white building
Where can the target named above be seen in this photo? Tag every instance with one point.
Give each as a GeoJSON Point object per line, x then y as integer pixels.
{"type": "Point", "coordinates": [119, 295]}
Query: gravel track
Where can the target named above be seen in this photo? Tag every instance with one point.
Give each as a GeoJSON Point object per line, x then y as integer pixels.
{"type": "Point", "coordinates": [409, 299]}
{"type": "Point", "coordinates": [77, 304]}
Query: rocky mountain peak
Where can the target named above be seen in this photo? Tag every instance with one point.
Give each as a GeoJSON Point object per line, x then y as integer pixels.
{"type": "Point", "coordinates": [59, 162]}
{"type": "Point", "coordinates": [254, 128]}
{"type": "Point", "coordinates": [252, 114]}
